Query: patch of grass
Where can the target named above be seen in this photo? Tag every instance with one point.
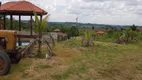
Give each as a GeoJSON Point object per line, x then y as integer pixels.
{"type": "Point", "coordinates": [24, 75]}
{"type": "Point", "coordinates": [104, 61]}
{"type": "Point", "coordinates": [44, 50]}
{"type": "Point", "coordinates": [21, 66]}
{"type": "Point", "coordinates": [75, 70]}
{"type": "Point", "coordinates": [140, 67]}
{"type": "Point", "coordinates": [40, 67]}
{"type": "Point", "coordinates": [17, 70]}
{"type": "Point", "coordinates": [43, 66]}
{"type": "Point", "coordinates": [41, 56]}
{"type": "Point", "coordinates": [72, 43]}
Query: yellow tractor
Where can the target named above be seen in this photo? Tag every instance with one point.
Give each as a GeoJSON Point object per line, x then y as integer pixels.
{"type": "Point", "coordinates": [9, 53]}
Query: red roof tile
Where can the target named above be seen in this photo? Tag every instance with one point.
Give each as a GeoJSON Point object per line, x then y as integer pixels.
{"type": "Point", "coordinates": [21, 6]}
{"type": "Point", "coordinates": [100, 32]}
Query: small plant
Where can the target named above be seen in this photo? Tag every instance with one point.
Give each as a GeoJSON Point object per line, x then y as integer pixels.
{"type": "Point", "coordinates": [87, 40]}
{"type": "Point", "coordinates": [39, 28]}
{"type": "Point", "coordinates": [139, 35]}
{"type": "Point", "coordinates": [126, 36]}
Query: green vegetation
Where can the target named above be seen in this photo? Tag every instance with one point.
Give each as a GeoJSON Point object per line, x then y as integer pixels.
{"type": "Point", "coordinates": [105, 60]}
{"type": "Point", "coordinates": [133, 27]}
{"type": "Point", "coordinates": [71, 31]}
{"type": "Point", "coordinates": [121, 36]}
{"type": "Point", "coordinates": [43, 66]}
{"type": "Point", "coordinates": [39, 27]}
{"type": "Point", "coordinates": [16, 24]}
{"type": "Point", "coordinates": [87, 40]}
{"type": "Point", "coordinates": [73, 70]}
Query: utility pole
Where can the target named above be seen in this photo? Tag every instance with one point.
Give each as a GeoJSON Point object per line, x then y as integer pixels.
{"type": "Point", "coordinates": [77, 22]}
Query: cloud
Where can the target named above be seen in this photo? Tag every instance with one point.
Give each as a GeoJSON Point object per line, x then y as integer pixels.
{"type": "Point", "coordinates": [94, 11]}
{"type": "Point", "coordinates": [108, 11]}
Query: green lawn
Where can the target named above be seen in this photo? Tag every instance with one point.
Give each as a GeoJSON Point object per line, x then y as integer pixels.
{"type": "Point", "coordinates": [104, 61]}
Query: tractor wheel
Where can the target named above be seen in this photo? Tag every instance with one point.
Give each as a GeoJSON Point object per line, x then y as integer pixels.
{"type": "Point", "coordinates": [5, 63]}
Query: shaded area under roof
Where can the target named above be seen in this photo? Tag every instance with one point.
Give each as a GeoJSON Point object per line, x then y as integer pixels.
{"type": "Point", "coordinates": [20, 8]}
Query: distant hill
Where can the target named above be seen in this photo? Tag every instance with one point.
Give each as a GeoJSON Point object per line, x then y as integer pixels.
{"type": "Point", "coordinates": [88, 25]}
{"type": "Point", "coordinates": [85, 25]}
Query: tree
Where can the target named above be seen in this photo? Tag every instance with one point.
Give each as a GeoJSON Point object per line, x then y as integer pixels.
{"type": "Point", "coordinates": [93, 27]}
{"type": "Point", "coordinates": [64, 29]}
{"type": "Point", "coordinates": [73, 32]}
{"type": "Point", "coordinates": [117, 35]}
{"type": "Point", "coordinates": [112, 28]}
{"type": "Point", "coordinates": [87, 40]}
{"type": "Point", "coordinates": [16, 24]}
{"type": "Point", "coordinates": [126, 36]}
{"type": "Point", "coordinates": [121, 29]}
{"type": "Point", "coordinates": [39, 28]}
{"type": "Point", "coordinates": [133, 27]}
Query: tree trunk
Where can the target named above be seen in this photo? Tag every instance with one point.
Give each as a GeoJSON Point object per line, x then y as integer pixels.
{"type": "Point", "coordinates": [39, 45]}
{"type": "Point", "coordinates": [88, 43]}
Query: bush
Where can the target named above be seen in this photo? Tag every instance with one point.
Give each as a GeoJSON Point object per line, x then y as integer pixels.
{"type": "Point", "coordinates": [73, 31]}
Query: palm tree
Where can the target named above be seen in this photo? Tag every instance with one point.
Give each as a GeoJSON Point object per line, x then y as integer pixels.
{"type": "Point", "coordinates": [87, 39]}
{"type": "Point", "coordinates": [126, 36]}
{"type": "Point", "coordinates": [39, 28]}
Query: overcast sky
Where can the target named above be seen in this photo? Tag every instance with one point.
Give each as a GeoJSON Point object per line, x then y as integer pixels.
{"type": "Point", "coordinates": [123, 12]}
